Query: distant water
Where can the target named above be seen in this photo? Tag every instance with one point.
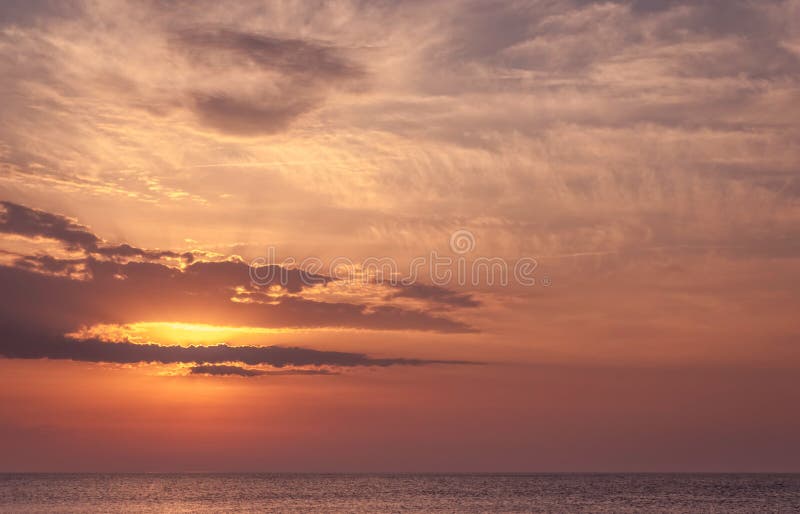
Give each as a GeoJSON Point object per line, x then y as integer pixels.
{"type": "Point", "coordinates": [395, 493]}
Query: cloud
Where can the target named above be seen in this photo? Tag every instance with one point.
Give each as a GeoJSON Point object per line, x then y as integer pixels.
{"type": "Point", "coordinates": [245, 116]}
{"type": "Point", "coordinates": [294, 76]}
{"type": "Point", "coordinates": [119, 283]}
{"type": "Point", "coordinates": [224, 370]}
{"type": "Point", "coordinates": [18, 342]}
{"type": "Point", "coordinates": [228, 370]}
{"type": "Point", "coordinates": [114, 290]}
{"type": "Point", "coordinates": [21, 220]}
{"type": "Point", "coordinates": [22, 13]}
{"type": "Point", "coordinates": [126, 250]}
{"type": "Point", "coordinates": [436, 294]}
{"type": "Point", "coordinates": [308, 59]}
{"type": "Point", "coordinates": [201, 293]}
{"type": "Point", "coordinates": [25, 221]}
{"type": "Point", "coordinates": [560, 127]}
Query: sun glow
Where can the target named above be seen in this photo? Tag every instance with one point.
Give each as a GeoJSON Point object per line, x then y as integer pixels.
{"type": "Point", "coordinates": [176, 333]}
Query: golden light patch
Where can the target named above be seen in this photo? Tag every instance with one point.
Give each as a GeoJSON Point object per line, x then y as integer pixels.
{"type": "Point", "coordinates": [175, 333]}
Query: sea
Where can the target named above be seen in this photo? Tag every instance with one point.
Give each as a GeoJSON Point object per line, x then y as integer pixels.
{"type": "Point", "coordinates": [599, 493]}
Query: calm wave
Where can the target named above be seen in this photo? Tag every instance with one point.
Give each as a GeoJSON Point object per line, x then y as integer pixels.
{"type": "Point", "coordinates": [395, 493]}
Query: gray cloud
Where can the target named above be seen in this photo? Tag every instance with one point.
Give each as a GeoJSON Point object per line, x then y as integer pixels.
{"type": "Point", "coordinates": [228, 370]}
{"type": "Point", "coordinates": [18, 342]}
{"type": "Point", "coordinates": [144, 291]}
{"type": "Point", "coordinates": [21, 220]}
{"type": "Point", "coordinates": [22, 13]}
{"type": "Point", "coordinates": [308, 59]}
{"type": "Point", "coordinates": [223, 370]}
{"type": "Point", "coordinates": [200, 292]}
{"type": "Point", "coordinates": [246, 116]}
{"type": "Point", "coordinates": [295, 76]}
{"type": "Point", "coordinates": [568, 125]}
{"type": "Point", "coordinates": [436, 294]}
{"type": "Point", "coordinates": [24, 221]}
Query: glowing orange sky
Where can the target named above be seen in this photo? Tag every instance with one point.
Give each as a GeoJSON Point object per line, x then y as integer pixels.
{"type": "Point", "coordinates": [645, 154]}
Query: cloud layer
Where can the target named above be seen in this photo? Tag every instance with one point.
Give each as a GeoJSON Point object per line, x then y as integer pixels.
{"type": "Point", "coordinates": [227, 370]}
{"type": "Point", "coordinates": [20, 343]}
{"type": "Point", "coordinates": [549, 127]}
{"type": "Point", "coordinates": [47, 296]}
{"type": "Point", "coordinates": [631, 143]}
{"type": "Point", "coordinates": [196, 291]}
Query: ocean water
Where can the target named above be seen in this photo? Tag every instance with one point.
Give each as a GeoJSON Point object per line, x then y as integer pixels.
{"type": "Point", "coordinates": [399, 493]}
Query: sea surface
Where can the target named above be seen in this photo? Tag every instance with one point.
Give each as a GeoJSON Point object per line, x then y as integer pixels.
{"type": "Point", "coordinates": [399, 493]}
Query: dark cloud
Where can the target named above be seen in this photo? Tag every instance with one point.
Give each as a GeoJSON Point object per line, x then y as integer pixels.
{"type": "Point", "coordinates": [720, 17]}
{"type": "Point", "coordinates": [245, 116]}
{"type": "Point", "coordinates": [649, 6]}
{"type": "Point", "coordinates": [49, 264]}
{"type": "Point", "coordinates": [295, 76]}
{"type": "Point", "coordinates": [24, 221]}
{"type": "Point", "coordinates": [42, 291]}
{"type": "Point", "coordinates": [18, 342]}
{"type": "Point", "coordinates": [205, 275]}
{"type": "Point", "coordinates": [21, 220]}
{"type": "Point", "coordinates": [566, 43]}
{"type": "Point", "coordinates": [118, 291]}
{"type": "Point", "coordinates": [228, 370]}
{"type": "Point", "coordinates": [201, 293]}
{"type": "Point", "coordinates": [126, 250]}
{"type": "Point", "coordinates": [759, 52]}
{"type": "Point", "coordinates": [436, 294]}
{"type": "Point", "coordinates": [224, 370]}
{"type": "Point", "coordinates": [309, 59]}
{"type": "Point", "coordinates": [23, 13]}
{"type": "Point", "coordinates": [486, 28]}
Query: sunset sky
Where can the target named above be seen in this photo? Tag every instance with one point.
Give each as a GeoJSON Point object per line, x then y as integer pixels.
{"type": "Point", "coordinates": [642, 155]}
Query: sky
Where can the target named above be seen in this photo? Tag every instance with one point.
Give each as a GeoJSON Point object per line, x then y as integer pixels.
{"type": "Point", "coordinates": [454, 236]}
